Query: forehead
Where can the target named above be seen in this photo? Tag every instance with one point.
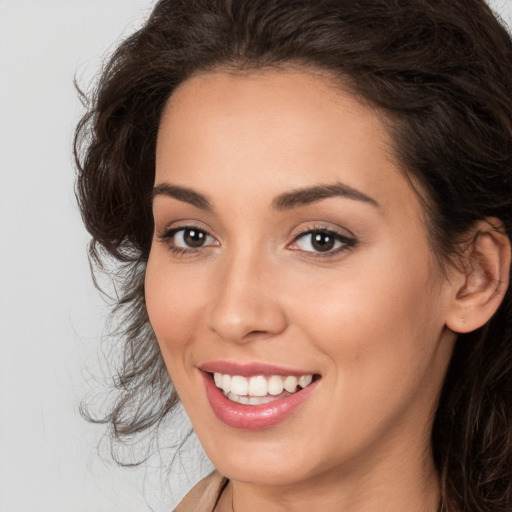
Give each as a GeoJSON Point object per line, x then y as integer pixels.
{"type": "Point", "coordinates": [270, 131]}
{"type": "Point", "coordinates": [270, 100]}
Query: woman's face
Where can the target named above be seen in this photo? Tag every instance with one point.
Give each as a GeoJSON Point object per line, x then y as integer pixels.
{"type": "Point", "coordinates": [288, 244]}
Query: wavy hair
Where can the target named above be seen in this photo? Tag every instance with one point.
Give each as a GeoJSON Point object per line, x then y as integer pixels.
{"type": "Point", "coordinates": [439, 70]}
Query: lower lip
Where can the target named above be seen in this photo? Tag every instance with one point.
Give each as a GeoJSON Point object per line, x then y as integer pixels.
{"type": "Point", "coordinates": [253, 417]}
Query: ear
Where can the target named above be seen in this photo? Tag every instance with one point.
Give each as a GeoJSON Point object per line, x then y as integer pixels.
{"type": "Point", "coordinates": [480, 283]}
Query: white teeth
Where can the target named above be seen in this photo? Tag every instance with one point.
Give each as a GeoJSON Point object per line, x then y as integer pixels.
{"type": "Point", "coordinates": [233, 397]}
{"type": "Point", "coordinates": [290, 384]}
{"type": "Point", "coordinates": [226, 383]}
{"type": "Point", "coordinates": [275, 385]}
{"type": "Point", "coordinates": [257, 386]}
{"type": "Point", "coordinates": [239, 385]}
{"type": "Point", "coordinates": [259, 389]}
{"type": "Point", "coordinates": [305, 380]}
{"type": "Point", "coordinates": [217, 377]}
{"type": "Point", "coordinates": [252, 400]}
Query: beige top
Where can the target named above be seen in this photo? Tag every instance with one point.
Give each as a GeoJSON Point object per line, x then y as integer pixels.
{"type": "Point", "coordinates": [203, 497]}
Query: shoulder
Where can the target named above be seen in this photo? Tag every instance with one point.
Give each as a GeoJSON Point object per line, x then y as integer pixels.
{"type": "Point", "coordinates": [204, 495]}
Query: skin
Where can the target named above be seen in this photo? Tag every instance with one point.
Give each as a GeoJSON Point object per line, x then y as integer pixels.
{"type": "Point", "coordinates": [371, 318]}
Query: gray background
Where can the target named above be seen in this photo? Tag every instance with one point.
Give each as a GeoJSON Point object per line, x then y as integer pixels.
{"type": "Point", "coordinates": [50, 315]}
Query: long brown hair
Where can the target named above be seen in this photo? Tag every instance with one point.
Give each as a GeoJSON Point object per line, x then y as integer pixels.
{"type": "Point", "coordinates": [440, 71]}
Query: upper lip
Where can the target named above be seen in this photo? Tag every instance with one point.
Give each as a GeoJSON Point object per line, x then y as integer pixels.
{"type": "Point", "coordinates": [250, 369]}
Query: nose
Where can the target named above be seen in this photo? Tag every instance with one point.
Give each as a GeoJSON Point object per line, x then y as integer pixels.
{"type": "Point", "coordinates": [247, 303]}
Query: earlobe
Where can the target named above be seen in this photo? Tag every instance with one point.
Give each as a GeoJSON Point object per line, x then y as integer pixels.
{"type": "Point", "coordinates": [482, 281]}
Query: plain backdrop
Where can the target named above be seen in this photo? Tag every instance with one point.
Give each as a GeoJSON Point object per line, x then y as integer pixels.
{"type": "Point", "coordinates": [51, 317]}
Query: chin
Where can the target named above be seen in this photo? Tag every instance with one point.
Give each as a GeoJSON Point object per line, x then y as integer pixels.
{"type": "Point", "coordinates": [263, 463]}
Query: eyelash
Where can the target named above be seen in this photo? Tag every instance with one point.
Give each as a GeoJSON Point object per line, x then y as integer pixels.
{"type": "Point", "coordinates": [168, 237]}
{"type": "Point", "coordinates": [346, 242]}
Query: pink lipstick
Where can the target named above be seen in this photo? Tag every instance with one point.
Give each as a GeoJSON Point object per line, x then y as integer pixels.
{"type": "Point", "coordinates": [270, 394]}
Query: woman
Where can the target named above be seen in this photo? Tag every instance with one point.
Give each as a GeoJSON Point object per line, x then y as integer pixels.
{"type": "Point", "coordinates": [311, 203]}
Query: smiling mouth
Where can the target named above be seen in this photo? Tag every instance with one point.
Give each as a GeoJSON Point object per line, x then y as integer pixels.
{"type": "Point", "coordinates": [261, 389]}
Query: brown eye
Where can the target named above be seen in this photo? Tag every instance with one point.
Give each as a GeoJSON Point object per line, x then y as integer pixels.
{"type": "Point", "coordinates": [188, 238]}
{"type": "Point", "coordinates": [194, 238]}
{"type": "Point", "coordinates": [322, 241]}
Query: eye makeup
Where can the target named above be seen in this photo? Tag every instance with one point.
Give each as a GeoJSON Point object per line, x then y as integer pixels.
{"type": "Point", "coordinates": [316, 241]}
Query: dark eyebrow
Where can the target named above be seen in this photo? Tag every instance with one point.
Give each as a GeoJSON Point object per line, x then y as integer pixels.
{"type": "Point", "coordinates": [184, 194]}
{"type": "Point", "coordinates": [305, 196]}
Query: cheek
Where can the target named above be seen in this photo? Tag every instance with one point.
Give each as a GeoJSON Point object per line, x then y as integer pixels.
{"type": "Point", "coordinates": [378, 333]}
{"type": "Point", "coordinates": [379, 320]}
{"type": "Point", "coordinates": [175, 314]}
{"type": "Point", "coordinates": [172, 304]}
